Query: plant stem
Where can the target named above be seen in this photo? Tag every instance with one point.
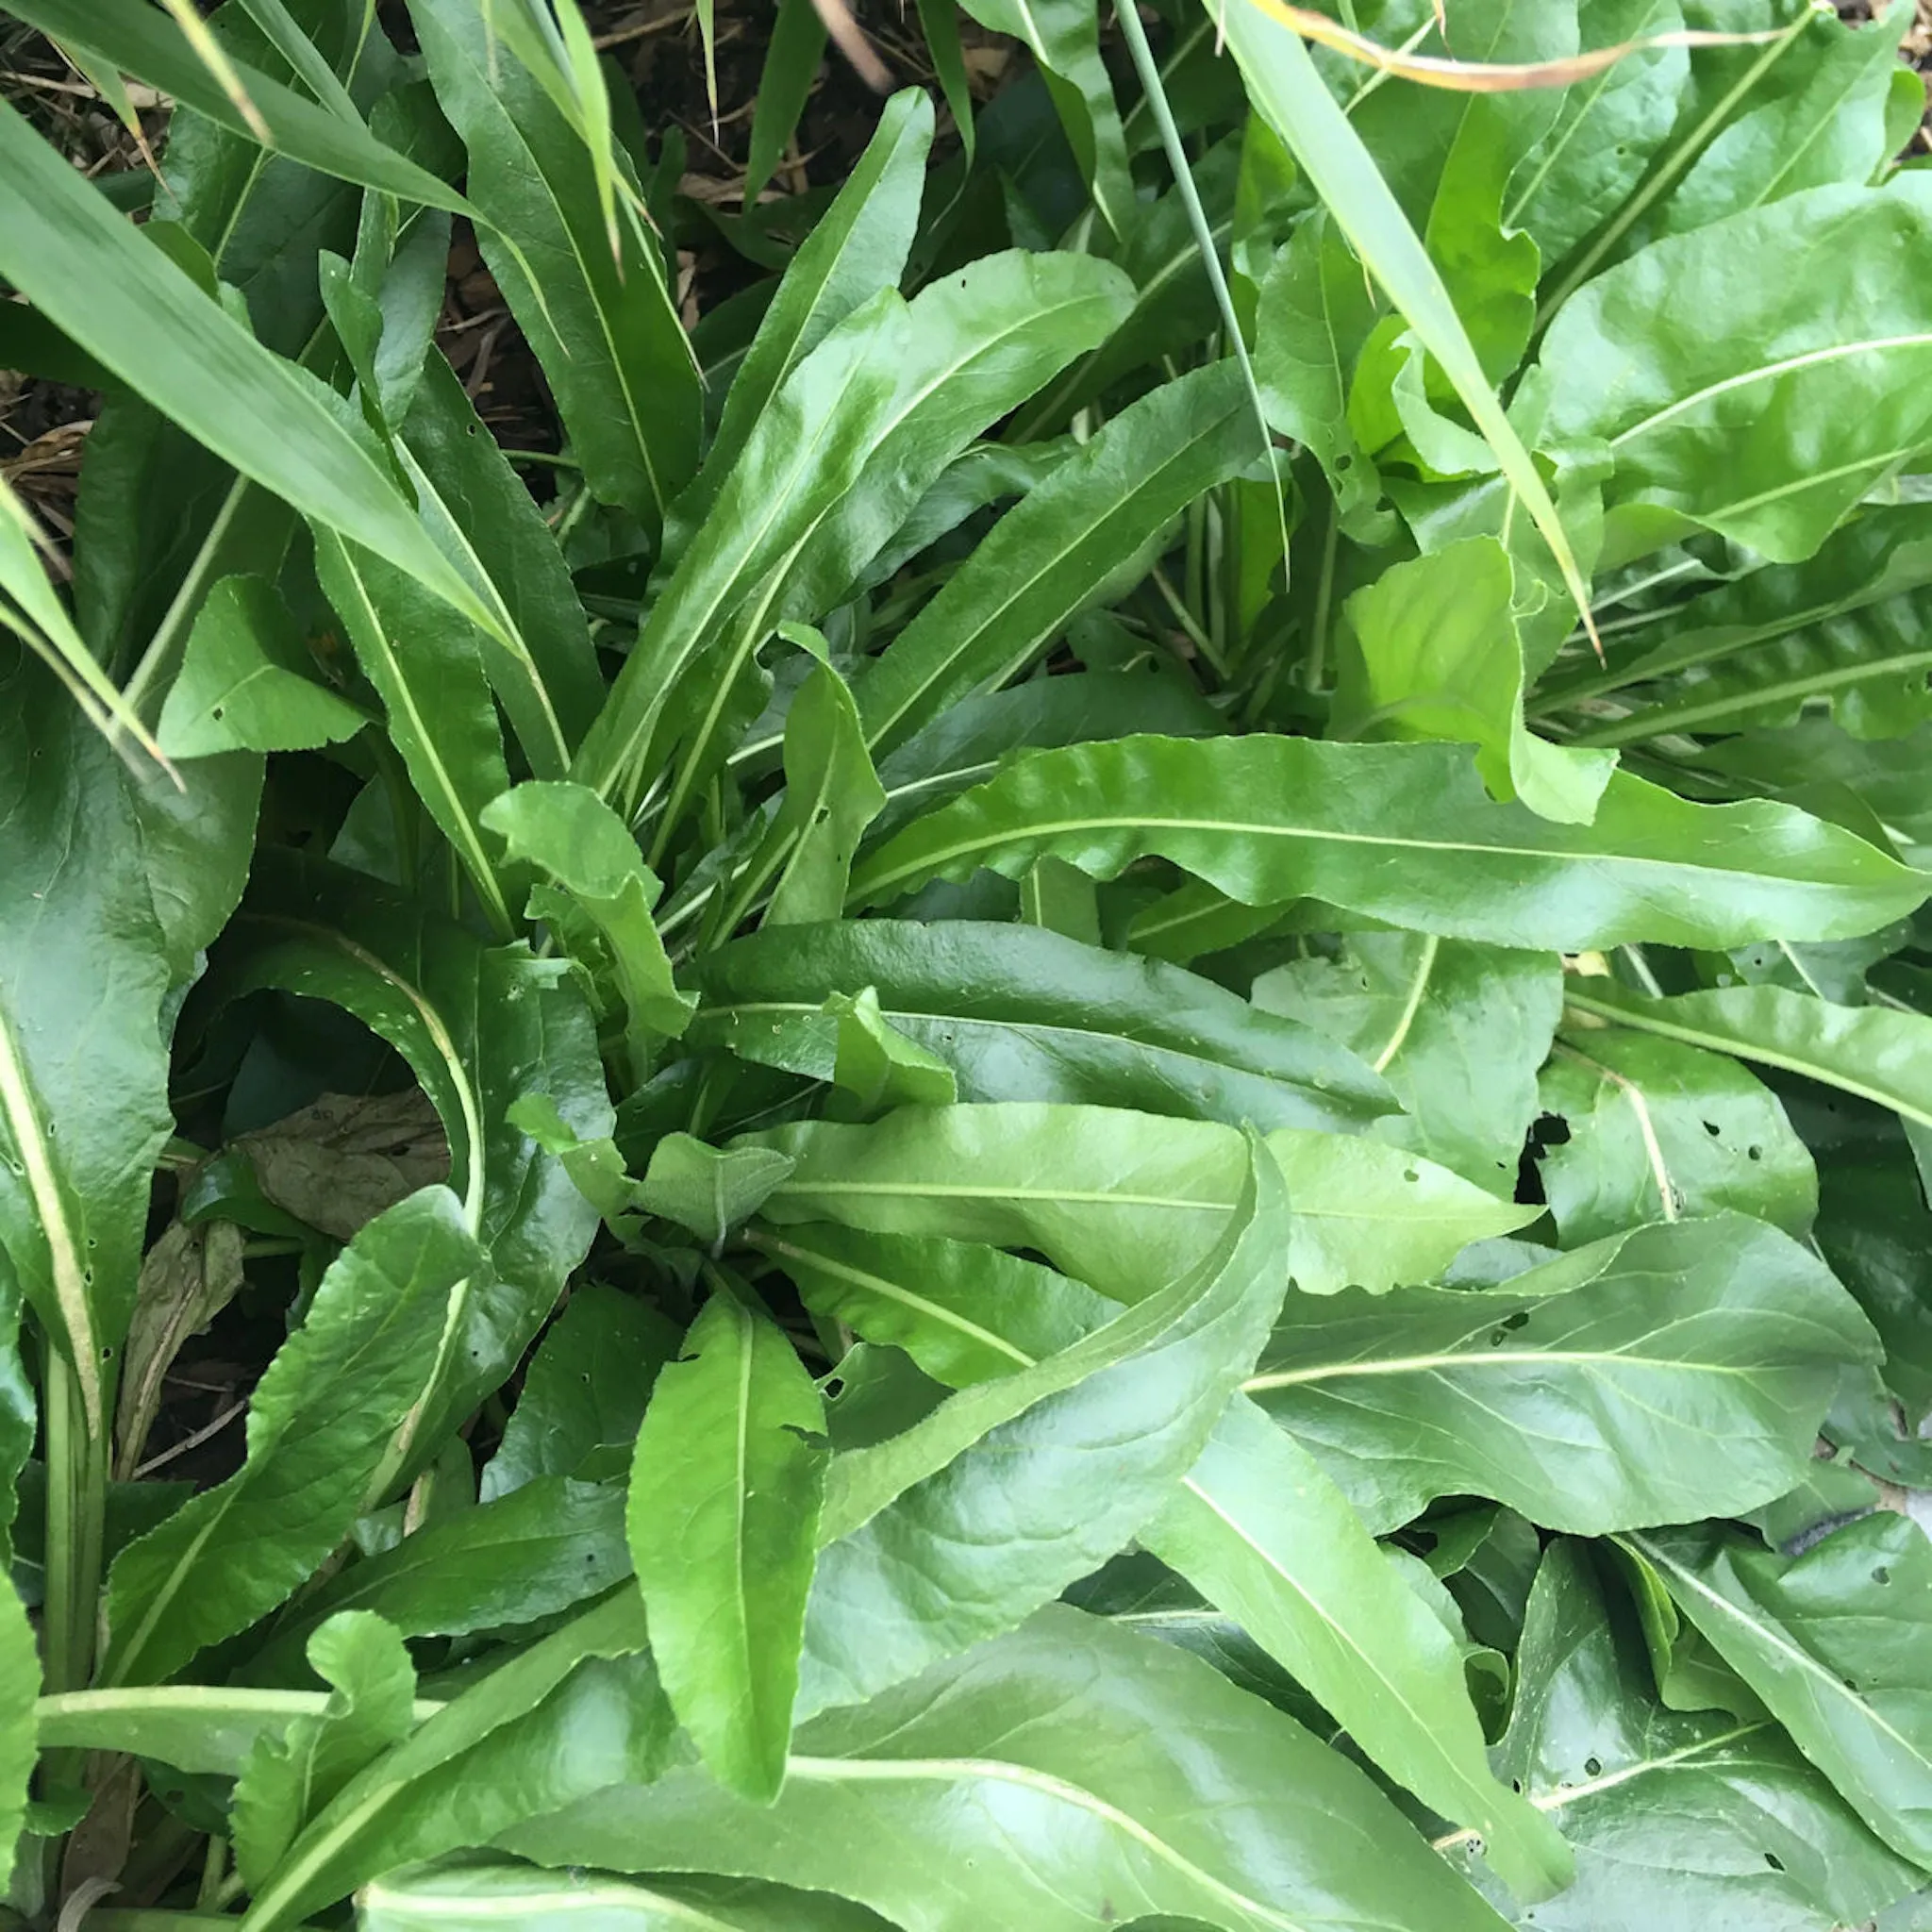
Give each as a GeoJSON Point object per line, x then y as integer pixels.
{"type": "Point", "coordinates": [76, 1508]}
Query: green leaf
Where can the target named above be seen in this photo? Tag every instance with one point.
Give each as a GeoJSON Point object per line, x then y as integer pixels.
{"type": "Point", "coordinates": [569, 832]}
{"type": "Point", "coordinates": [1458, 1031]}
{"type": "Point", "coordinates": [1063, 1778]}
{"type": "Point", "coordinates": [1060, 549]}
{"type": "Point", "coordinates": [1126, 1201]}
{"type": "Point", "coordinates": [585, 1388]}
{"type": "Point", "coordinates": [1605, 131]}
{"type": "Point", "coordinates": [1020, 1013]}
{"type": "Point", "coordinates": [84, 970]}
{"type": "Point", "coordinates": [967, 741]}
{"type": "Point", "coordinates": [831, 795]}
{"type": "Point", "coordinates": [1678, 1823]}
{"type": "Point", "coordinates": [1829, 127]}
{"type": "Point", "coordinates": [709, 1189]}
{"type": "Point", "coordinates": [857, 247]}
{"type": "Point", "coordinates": [1313, 320]}
{"type": "Point", "coordinates": [429, 671]}
{"type": "Point", "coordinates": [1437, 655]}
{"type": "Point", "coordinates": [966, 351]}
{"type": "Point", "coordinates": [482, 1028]}
{"type": "Point", "coordinates": [247, 683]}
{"type": "Point", "coordinates": [579, 1710]}
{"type": "Point", "coordinates": [20, 1675]}
{"type": "Point", "coordinates": [287, 1780]}
{"type": "Point", "coordinates": [1815, 390]}
{"type": "Point", "coordinates": [1837, 629]}
{"type": "Point", "coordinates": [183, 352]}
{"type": "Point", "coordinates": [592, 301]}
{"type": "Point", "coordinates": [1665, 1374]}
{"type": "Point", "coordinates": [1259, 1530]}
{"type": "Point", "coordinates": [876, 1066]}
{"type": "Point", "coordinates": [723, 1519]}
{"type": "Point", "coordinates": [791, 67]}
{"type": "Point", "coordinates": [319, 1424]}
{"type": "Point", "coordinates": [539, 656]}
{"type": "Point", "coordinates": [1489, 268]}
{"type": "Point", "coordinates": [1287, 90]}
{"type": "Point", "coordinates": [1875, 1053]}
{"type": "Point", "coordinates": [1405, 833]}
{"type": "Point", "coordinates": [1834, 1643]}
{"type": "Point", "coordinates": [1063, 38]}
{"type": "Point", "coordinates": [954, 1530]}
{"type": "Point", "coordinates": [1658, 1130]}
{"type": "Point", "coordinates": [517, 1558]}
{"type": "Point", "coordinates": [469, 1897]}
{"type": "Point", "coordinates": [963, 1311]}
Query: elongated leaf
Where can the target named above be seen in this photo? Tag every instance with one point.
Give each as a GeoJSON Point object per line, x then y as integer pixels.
{"type": "Point", "coordinates": [486, 1757]}
{"type": "Point", "coordinates": [1594, 151]}
{"type": "Point", "coordinates": [1658, 1129]}
{"type": "Point", "coordinates": [1835, 629]}
{"type": "Point", "coordinates": [857, 247]}
{"type": "Point", "coordinates": [831, 795]}
{"type": "Point", "coordinates": [1678, 1822]}
{"type": "Point", "coordinates": [965, 743]}
{"type": "Point", "coordinates": [197, 364]}
{"type": "Point", "coordinates": [1065, 1777]}
{"type": "Point", "coordinates": [430, 671]}
{"type": "Point", "coordinates": [538, 660]}
{"type": "Point", "coordinates": [468, 1897]}
{"type": "Point", "coordinates": [1058, 550]}
{"type": "Point", "coordinates": [287, 1779]}
{"type": "Point", "coordinates": [1873, 1051]}
{"type": "Point", "coordinates": [483, 1029]}
{"type": "Point", "coordinates": [724, 1515]}
{"type": "Point", "coordinates": [808, 445]}
{"type": "Point", "coordinates": [972, 346]}
{"type": "Point", "coordinates": [319, 1424]}
{"type": "Point", "coordinates": [1313, 319]}
{"type": "Point", "coordinates": [195, 1727]}
{"type": "Point", "coordinates": [1062, 36]}
{"type": "Point", "coordinates": [1405, 833]}
{"type": "Point", "coordinates": [1831, 125]}
{"type": "Point", "coordinates": [1665, 1374]}
{"type": "Point", "coordinates": [133, 38]}
{"type": "Point", "coordinates": [540, 1550]}
{"type": "Point", "coordinates": [963, 1311]}
{"type": "Point", "coordinates": [84, 969]}
{"type": "Point", "coordinates": [602, 324]}
{"type": "Point", "coordinates": [584, 1390]}
{"type": "Point", "coordinates": [1023, 1014]}
{"type": "Point", "coordinates": [1262, 1532]}
{"type": "Point", "coordinates": [1458, 1031]}
{"type": "Point", "coordinates": [1719, 338]}
{"type": "Point", "coordinates": [20, 1674]}
{"type": "Point", "coordinates": [1833, 1642]}
{"type": "Point", "coordinates": [1287, 90]}
{"type": "Point", "coordinates": [1015, 1487]}
{"type": "Point", "coordinates": [1124, 1201]}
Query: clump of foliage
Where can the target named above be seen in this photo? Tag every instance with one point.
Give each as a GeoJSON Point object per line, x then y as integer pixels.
{"type": "Point", "coordinates": [1015, 1143]}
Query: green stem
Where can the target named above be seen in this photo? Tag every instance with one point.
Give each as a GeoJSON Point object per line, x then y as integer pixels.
{"type": "Point", "coordinates": [1317, 660]}
{"type": "Point", "coordinates": [1145, 65]}
{"type": "Point", "coordinates": [76, 1509]}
